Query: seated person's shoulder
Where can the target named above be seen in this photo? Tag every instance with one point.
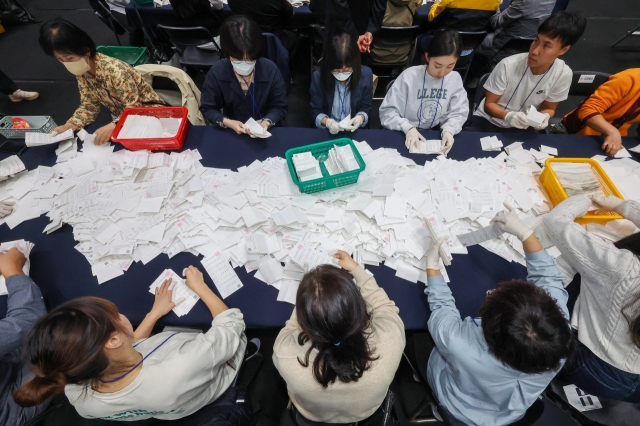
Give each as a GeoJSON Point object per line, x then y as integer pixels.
{"type": "Point", "coordinates": [219, 69]}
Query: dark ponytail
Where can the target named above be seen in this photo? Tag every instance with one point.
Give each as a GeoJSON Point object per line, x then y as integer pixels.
{"type": "Point", "coordinates": [444, 43]}
{"type": "Point", "coordinates": [67, 347]}
{"type": "Point", "coordinates": [334, 319]}
{"type": "Point", "coordinates": [631, 310]}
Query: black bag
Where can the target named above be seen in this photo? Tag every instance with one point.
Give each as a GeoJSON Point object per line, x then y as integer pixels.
{"type": "Point", "coordinates": [13, 13]}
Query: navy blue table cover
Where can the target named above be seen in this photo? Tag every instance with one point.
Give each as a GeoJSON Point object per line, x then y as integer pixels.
{"type": "Point", "coordinates": [63, 273]}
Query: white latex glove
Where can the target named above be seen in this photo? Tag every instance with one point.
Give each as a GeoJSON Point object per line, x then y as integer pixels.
{"type": "Point", "coordinates": [333, 126]}
{"type": "Point", "coordinates": [517, 120]}
{"type": "Point", "coordinates": [433, 254]}
{"type": "Point", "coordinates": [6, 207]}
{"type": "Point", "coordinates": [610, 202]}
{"type": "Point", "coordinates": [356, 122]}
{"type": "Point", "coordinates": [413, 136]}
{"type": "Point", "coordinates": [511, 223]}
{"type": "Point", "coordinates": [447, 142]}
{"type": "Point", "coordinates": [544, 123]}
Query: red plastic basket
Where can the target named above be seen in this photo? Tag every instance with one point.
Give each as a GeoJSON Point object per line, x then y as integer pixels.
{"type": "Point", "coordinates": [160, 144]}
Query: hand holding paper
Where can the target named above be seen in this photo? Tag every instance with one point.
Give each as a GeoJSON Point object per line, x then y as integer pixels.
{"type": "Point", "coordinates": [345, 261]}
{"type": "Point", "coordinates": [517, 119]}
{"type": "Point", "coordinates": [163, 303]}
{"type": "Point", "coordinates": [433, 254]}
{"type": "Point", "coordinates": [511, 223]}
{"type": "Point", "coordinates": [412, 139]}
{"type": "Point", "coordinates": [255, 130]}
{"type": "Point", "coordinates": [447, 142]}
{"type": "Point", "coordinates": [610, 202]}
{"type": "Point", "coordinates": [333, 126]}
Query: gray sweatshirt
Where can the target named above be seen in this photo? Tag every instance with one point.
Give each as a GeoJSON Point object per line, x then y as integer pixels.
{"type": "Point", "coordinates": [418, 100]}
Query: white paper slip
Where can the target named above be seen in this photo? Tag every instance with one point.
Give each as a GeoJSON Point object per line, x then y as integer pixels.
{"type": "Point", "coordinates": [345, 123]}
{"type": "Point", "coordinates": [224, 277]}
{"type": "Point", "coordinates": [480, 236]}
{"type": "Point", "coordinates": [548, 150]}
{"type": "Point", "coordinates": [11, 166]}
{"type": "Point", "coordinates": [635, 149]}
{"type": "Point", "coordinates": [257, 131]}
{"type": "Point", "coordinates": [490, 143]}
{"type": "Point", "coordinates": [308, 258]}
{"type": "Point", "coordinates": [581, 400]}
{"type": "Point", "coordinates": [39, 139]}
{"type": "Point", "coordinates": [430, 146]}
{"type": "Point", "coordinates": [535, 118]}
{"type": "Point", "coordinates": [623, 153]}
{"type": "Point", "coordinates": [180, 292]}
{"type": "Point", "coordinates": [271, 270]}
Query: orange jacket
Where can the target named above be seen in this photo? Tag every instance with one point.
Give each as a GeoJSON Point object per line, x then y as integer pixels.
{"type": "Point", "coordinates": [617, 100]}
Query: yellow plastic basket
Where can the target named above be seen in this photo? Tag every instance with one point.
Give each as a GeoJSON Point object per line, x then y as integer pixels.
{"type": "Point", "coordinates": [556, 193]}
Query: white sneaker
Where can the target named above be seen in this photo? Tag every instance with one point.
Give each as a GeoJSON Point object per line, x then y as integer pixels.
{"type": "Point", "coordinates": [20, 95]}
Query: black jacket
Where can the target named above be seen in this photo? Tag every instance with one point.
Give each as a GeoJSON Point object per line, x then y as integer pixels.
{"type": "Point", "coordinates": [355, 16]}
{"type": "Point", "coordinates": [222, 97]}
{"type": "Point", "coordinates": [272, 16]}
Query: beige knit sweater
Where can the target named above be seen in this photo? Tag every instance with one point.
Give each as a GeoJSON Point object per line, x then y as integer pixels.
{"type": "Point", "coordinates": [344, 402]}
{"type": "Point", "coordinates": [610, 277]}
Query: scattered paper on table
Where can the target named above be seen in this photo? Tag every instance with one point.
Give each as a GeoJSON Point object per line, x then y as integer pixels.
{"type": "Point", "coordinates": [224, 277]}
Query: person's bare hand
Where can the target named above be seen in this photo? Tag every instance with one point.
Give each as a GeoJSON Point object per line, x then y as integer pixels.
{"type": "Point", "coordinates": [103, 134]}
{"type": "Point", "coordinates": [345, 261]}
{"type": "Point", "coordinates": [612, 144]}
{"type": "Point", "coordinates": [264, 124]}
{"type": "Point", "coordinates": [163, 303]}
{"type": "Point", "coordinates": [195, 280]}
{"type": "Point", "coordinates": [12, 262]}
{"type": "Point", "coordinates": [64, 128]}
{"type": "Point", "coordinates": [364, 42]}
{"type": "Point", "coordinates": [236, 126]}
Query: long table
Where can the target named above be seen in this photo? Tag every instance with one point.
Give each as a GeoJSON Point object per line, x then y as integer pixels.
{"type": "Point", "coordinates": [63, 273]}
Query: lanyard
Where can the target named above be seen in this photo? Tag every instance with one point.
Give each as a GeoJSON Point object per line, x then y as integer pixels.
{"type": "Point", "coordinates": [141, 361]}
{"type": "Point", "coordinates": [424, 77]}
{"type": "Point", "coordinates": [342, 96]}
{"type": "Point", "coordinates": [531, 92]}
{"type": "Point", "coordinates": [254, 107]}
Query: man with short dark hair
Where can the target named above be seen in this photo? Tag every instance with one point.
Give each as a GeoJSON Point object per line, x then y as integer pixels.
{"type": "Point", "coordinates": [490, 370]}
{"type": "Point", "coordinates": [537, 79]}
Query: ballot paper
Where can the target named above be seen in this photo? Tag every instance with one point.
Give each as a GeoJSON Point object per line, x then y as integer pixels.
{"type": "Point", "coordinates": [491, 143]}
{"type": "Point", "coordinates": [581, 400]}
{"type": "Point", "coordinates": [257, 131]}
{"type": "Point", "coordinates": [480, 236]}
{"type": "Point", "coordinates": [25, 248]}
{"type": "Point", "coordinates": [148, 127]}
{"type": "Point", "coordinates": [430, 146]}
{"type": "Point", "coordinates": [39, 139]}
{"type": "Point", "coordinates": [222, 274]}
{"type": "Point", "coordinates": [578, 179]}
{"type": "Point", "coordinates": [535, 118]}
{"type": "Point", "coordinates": [307, 166]}
{"type": "Point", "coordinates": [548, 150]}
{"type": "Point", "coordinates": [623, 153]}
{"type": "Point", "coordinates": [10, 166]}
{"type": "Point", "coordinates": [184, 298]}
{"type": "Point", "coordinates": [341, 160]}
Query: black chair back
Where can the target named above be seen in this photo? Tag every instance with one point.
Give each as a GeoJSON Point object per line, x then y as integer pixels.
{"type": "Point", "coordinates": [481, 92]}
{"type": "Point", "coordinates": [389, 84]}
{"type": "Point", "coordinates": [584, 83]}
{"type": "Point", "coordinates": [396, 36]}
{"type": "Point", "coordinates": [472, 39]}
{"type": "Point", "coordinates": [187, 36]}
{"type": "Point", "coordinates": [104, 13]}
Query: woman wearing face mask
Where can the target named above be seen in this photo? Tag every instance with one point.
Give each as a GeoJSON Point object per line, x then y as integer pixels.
{"type": "Point", "coordinates": [243, 85]}
{"type": "Point", "coordinates": [111, 372]}
{"type": "Point", "coordinates": [102, 80]}
{"type": "Point", "coordinates": [341, 88]}
{"type": "Point", "coordinates": [429, 96]}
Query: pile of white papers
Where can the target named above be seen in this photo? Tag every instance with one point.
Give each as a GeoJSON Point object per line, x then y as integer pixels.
{"type": "Point", "coordinates": [578, 179]}
{"type": "Point", "coordinates": [147, 127]}
{"type": "Point", "coordinates": [134, 206]}
{"type": "Point", "coordinates": [10, 166]}
{"type": "Point", "coordinates": [256, 130]}
{"type": "Point", "coordinates": [431, 146]}
{"type": "Point", "coordinates": [491, 143]}
{"type": "Point", "coordinates": [39, 139]}
{"type": "Point", "coordinates": [182, 295]}
{"type": "Point", "coordinates": [25, 248]}
{"type": "Point", "coordinates": [341, 160]}
{"type": "Point", "coordinates": [307, 166]}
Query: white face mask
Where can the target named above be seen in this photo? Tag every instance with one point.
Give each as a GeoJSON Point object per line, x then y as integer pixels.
{"type": "Point", "coordinates": [78, 67]}
{"type": "Point", "coordinates": [342, 76]}
{"type": "Point", "coordinates": [243, 68]}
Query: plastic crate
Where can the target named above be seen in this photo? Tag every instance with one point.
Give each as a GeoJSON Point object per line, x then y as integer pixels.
{"type": "Point", "coordinates": [158, 144]}
{"type": "Point", "coordinates": [38, 123]}
{"type": "Point", "coordinates": [556, 193]}
{"type": "Point", "coordinates": [133, 56]}
{"type": "Point", "coordinates": [320, 152]}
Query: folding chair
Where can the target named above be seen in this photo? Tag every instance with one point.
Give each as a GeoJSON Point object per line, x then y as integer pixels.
{"type": "Point", "coordinates": [633, 33]}
{"type": "Point", "coordinates": [470, 41]}
{"type": "Point", "coordinates": [394, 37]}
{"type": "Point", "coordinates": [101, 9]}
{"type": "Point", "coordinates": [186, 41]}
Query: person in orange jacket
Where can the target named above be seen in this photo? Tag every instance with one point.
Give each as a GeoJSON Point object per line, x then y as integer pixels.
{"type": "Point", "coordinates": [609, 111]}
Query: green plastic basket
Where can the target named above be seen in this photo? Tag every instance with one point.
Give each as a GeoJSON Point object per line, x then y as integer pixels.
{"type": "Point", "coordinates": [133, 56]}
{"type": "Point", "coordinates": [320, 152]}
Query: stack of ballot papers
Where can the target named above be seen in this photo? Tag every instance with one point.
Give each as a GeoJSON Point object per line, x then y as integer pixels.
{"type": "Point", "coordinates": [341, 160]}
{"type": "Point", "coordinates": [491, 143]}
{"type": "Point", "coordinates": [345, 124]}
{"type": "Point", "coordinates": [307, 166]}
{"type": "Point", "coordinates": [147, 127]}
{"type": "Point", "coordinates": [25, 248]}
{"type": "Point", "coordinates": [39, 139]}
{"type": "Point", "coordinates": [182, 295]}
{"type": "Point", "coordinates": [431, 146]}
{"type": "Point", "coordinates": [10, 166]}
{"type": "Point", "coordinates": [256, 130]}
{"type": "Point", "coordinates": [127, 207]}
{"type": "Point", "coordinates": [578, 179]}
{"type": "Point", "coordinates": [534, 118]}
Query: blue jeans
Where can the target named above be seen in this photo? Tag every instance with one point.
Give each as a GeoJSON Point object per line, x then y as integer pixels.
{"type": "Point", "coordinates": [591, 374]}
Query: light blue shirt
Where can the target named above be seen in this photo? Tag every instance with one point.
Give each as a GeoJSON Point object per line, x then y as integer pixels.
{"type": "Point", "coordinates": [341, 107]}
{"type": "Point", "coordinates": [468, 381]}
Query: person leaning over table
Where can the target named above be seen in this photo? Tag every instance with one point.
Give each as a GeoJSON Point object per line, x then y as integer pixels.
{"type": "Point", "coordinates": [339, 351]}
{"type": "Point", "coordinates": [243, 85]}
{"type": "Point", "coordinates": [609, 111]}
{"type": "Point", "coordinates": [342, 87]}
{"type": "Point", "coordinates": [102, 80]}
{"type": "Point", "coordinates": [429, 96]}
{"type": "Point", "coordinates": [489, 370]}
{"type": "Point", "coordinates": [538, 78]}
{"type": "Point", "coordinates": [24, 307]}
{"type": "Point", "coordinates": [109, 371]}
{"type": "Point", "coordinates": [607, 312]}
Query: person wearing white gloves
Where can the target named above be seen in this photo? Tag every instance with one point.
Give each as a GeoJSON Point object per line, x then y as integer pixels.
{"type": "Point", "coordinates": [490, 370]}
{"type": "Point", "coordinates": [537, 78]}
{"type": "Point", "coordinates": [6, 206]}
{"type": "Point", "coordinates": [342, 88]}
{"type": "Point", "coordinates": [606, 314]}
{"type": "Point", "coordinates": [429, 96]}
